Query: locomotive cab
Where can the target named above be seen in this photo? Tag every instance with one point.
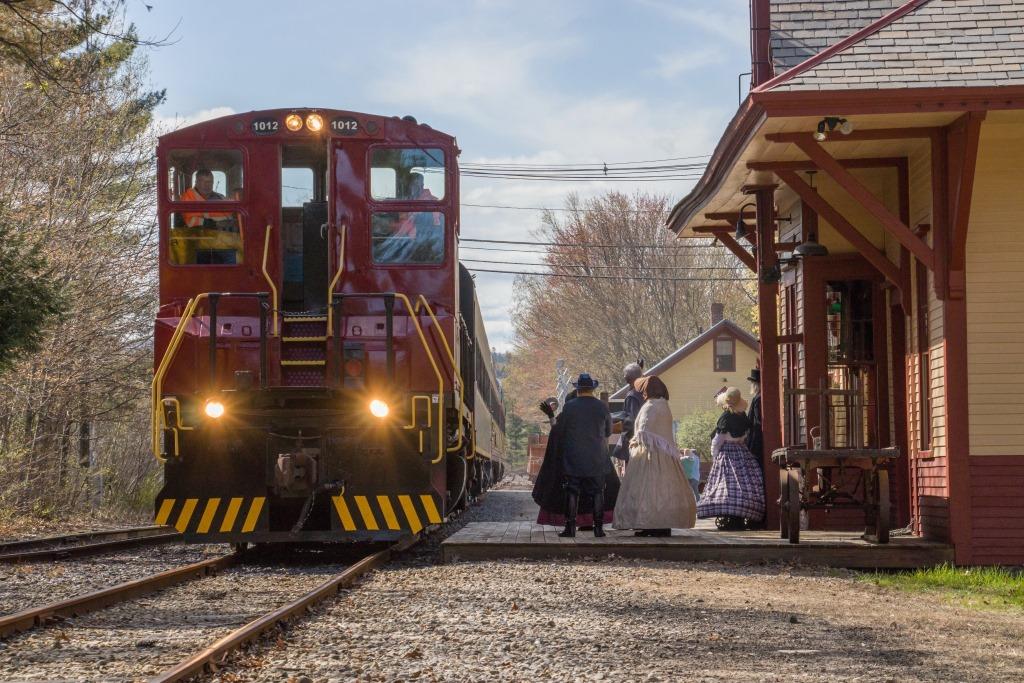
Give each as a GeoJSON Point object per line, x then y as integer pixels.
{"type": "Point", "coordinates": [311, 342]}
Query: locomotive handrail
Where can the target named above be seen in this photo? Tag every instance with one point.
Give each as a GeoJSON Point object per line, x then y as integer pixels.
{"type": "Point", "coordinates": [270, 281]}
{"type": "Point", "coordinates": [159, 419]}
{"type": "Point", "coordinates": [337, 298]}
{"type": "Point", "coordinates": [456, 380]}
{"type": "Point", "coordinates": [334, 281]}
{"type": "Point", "coordinates": [156, 388]}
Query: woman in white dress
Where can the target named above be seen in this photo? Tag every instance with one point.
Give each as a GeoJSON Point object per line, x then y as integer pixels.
{"type": "Point", "coordinates": [655, 496]}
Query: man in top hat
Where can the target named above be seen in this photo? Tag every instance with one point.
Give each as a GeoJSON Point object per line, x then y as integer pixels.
{"type": "Point", "coordinates": [755, 438]}
{"type": "Point", "coordinates": [584, 438]}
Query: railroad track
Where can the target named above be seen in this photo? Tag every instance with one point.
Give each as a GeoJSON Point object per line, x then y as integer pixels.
{"type": "Point", "coordinates": [139, 616]}
{"type": "Point", "coordinates": [83, 544]}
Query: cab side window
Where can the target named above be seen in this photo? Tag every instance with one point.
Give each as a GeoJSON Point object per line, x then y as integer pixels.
{"type": "Point", "coordinates": [407, 174]}
{"type": "Point", "coordinates": [203, 233]}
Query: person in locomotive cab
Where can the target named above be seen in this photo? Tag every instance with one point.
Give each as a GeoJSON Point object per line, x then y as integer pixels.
{"type": "Point", "coordinates": [202, 191]}
{"type": "Point", "coordinates": [424, 228]}
{"type": "Point", "coordinates": [583, 442]}
{"type": "Point", "coordinates": [213, 235]}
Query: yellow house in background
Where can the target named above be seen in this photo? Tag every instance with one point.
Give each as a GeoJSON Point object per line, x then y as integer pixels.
{"type": "Point", "coordinates": [724, 355]}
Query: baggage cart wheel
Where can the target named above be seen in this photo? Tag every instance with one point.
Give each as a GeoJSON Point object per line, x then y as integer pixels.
{"type": "Point", "coordinates": [784, 502]}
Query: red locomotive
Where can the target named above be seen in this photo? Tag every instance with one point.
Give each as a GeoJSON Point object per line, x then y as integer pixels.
{"type": "Point", "coordinates": [321, 367]}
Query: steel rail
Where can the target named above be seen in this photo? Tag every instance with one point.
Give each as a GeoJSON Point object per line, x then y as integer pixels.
{"type": "Point", "coordinates": [49, 541]}
{"type": "Point", "coordinates": [122, 592]}
{"type": "Point", "coordinates": [83, 544]}
{"type": "Point", "coordinates": [216, 653]}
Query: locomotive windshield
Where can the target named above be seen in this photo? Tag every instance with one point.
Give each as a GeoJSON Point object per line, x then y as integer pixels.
{"type": "Point", "coordinates": [407, 174]}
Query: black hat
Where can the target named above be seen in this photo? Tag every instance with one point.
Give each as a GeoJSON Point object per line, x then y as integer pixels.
{"type": "Point", "coordinates": [755, 375]}
{"type": "Point", "coordinates": [585, 381]}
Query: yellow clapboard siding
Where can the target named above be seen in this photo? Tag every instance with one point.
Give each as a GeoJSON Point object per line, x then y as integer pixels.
{"type": "Point", "coordinates": [994, 306]}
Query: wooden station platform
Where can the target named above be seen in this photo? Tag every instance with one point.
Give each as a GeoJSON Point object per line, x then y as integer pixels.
{"type": "Point", "coordinates": [523, 539]}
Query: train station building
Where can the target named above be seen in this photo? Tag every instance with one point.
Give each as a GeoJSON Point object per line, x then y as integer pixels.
{"type": "Point", "coordinates": [871, 181]}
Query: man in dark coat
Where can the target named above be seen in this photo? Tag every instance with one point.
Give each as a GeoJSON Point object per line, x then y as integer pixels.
{"type": "Point", "coordinates": [755, 438]}
{"type": "Point", "coordinates": [584, 427]}
{"type": "Point", "coordinates": [630, 409]}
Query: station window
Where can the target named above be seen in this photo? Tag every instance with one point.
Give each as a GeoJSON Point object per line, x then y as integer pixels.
{"type": "Point", "coordinates": [205, 238]}
{"type": "Point", "coordinates": [412, 237]}
{"type": "Point", "coordinates": [725, 354]}
{"type": "Point", "coordinates": [196, 175]}
{"type": "Point", "coordinates": [407, 174]}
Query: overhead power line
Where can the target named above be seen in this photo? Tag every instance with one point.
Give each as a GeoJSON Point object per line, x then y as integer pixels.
{"type": "Point", "coordinates": [615, 277]}
{"type": "Point", "coordinates": [588, 246]}
{"type": "Point", "coordinates": [595, 267]}
{"type": "Point", "coordinates": [548, 208]}
{"type": "Point", "coordinates": [597, 164]}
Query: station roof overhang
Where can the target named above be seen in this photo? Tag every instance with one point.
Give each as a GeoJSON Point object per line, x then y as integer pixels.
{"type": "Point", "coordinates": [887, 124]}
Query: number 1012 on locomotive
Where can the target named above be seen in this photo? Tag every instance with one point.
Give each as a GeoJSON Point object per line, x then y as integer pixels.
{"type": "Point", "coordinates": [321, 369]}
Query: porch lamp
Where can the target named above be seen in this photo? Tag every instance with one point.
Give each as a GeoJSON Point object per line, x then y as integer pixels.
{"type": "Point", "coordinates": [830, 124]}
{"type": "Point", "coordinates": [741, 227]}
{"type": "Point", "coordinates": [810, 247]}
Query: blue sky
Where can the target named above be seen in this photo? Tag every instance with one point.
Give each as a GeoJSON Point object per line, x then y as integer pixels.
{"type": "Point", "coordinates": [566, 81]}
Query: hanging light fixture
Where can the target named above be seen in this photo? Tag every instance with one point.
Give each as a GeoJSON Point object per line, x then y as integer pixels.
{"type": "Point", "coordinates": [741, 227]}
{"type": "Point", "coordinates": [810, 246]}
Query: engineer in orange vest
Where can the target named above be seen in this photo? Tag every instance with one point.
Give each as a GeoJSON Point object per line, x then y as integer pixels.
{"type": "Point", "coordinates": [202, 191]}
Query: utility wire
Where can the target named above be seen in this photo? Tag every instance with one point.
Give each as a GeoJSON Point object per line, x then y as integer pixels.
{"type": "Point", "coordinates": [596, 267]}
{"type": "Point", "coordinates": [548, 208]}
{"type": "Point", "coordinates": [595, 163]}
{"type": "Point", "coordinates": [616, 277]}
{"type": "Point", "coordinates": [588, 246]}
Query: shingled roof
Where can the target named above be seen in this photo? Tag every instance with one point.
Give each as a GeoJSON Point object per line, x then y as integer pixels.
{"type": "Point", "coordinates": [940, 43]}
{"type": "Point", "coordinates": [802, 29]}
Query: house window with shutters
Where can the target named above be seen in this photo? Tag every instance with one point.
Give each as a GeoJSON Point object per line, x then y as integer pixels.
{"type": "Point", "coordinates": [725, 354]}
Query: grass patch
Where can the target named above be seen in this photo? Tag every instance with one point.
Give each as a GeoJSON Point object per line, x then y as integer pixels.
{"type": "Point", "coordinates": [976, 587]}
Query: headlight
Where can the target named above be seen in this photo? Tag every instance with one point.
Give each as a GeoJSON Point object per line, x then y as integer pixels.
{"type": "Point", "coordinates": [214, 409]}
{"type": "Point", "coordinates": [315, 122]}
{"type": "Point", "coordinates": [293, 122]}
{"type": "Point", "coordinates": [379, 408]}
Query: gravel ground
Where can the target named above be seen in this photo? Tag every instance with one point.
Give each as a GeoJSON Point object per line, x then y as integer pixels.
{"type": "Point", "coordinates": [140, 638]}
{"type": "Point", "coordinates": [38, 583]}
{"type": "Point", "coordinates": [619, 620]}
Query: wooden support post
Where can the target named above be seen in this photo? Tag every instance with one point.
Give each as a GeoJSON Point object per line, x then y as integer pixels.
{"type": "Point", "coordinates": [768, 313]}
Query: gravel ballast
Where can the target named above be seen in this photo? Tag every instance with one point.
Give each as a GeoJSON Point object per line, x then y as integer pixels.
{"type": "Point", "coordinates": [37, 583]}
{"type": "Point", "coordinates": [619, 620]}
{"type": "Point", "coordinates": [140, 638]}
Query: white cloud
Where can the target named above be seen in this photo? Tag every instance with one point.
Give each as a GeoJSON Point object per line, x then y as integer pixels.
{"type": "Point", "coordinates": [674, 64]}
{"type": "Point", "coordinates": [166, 124]}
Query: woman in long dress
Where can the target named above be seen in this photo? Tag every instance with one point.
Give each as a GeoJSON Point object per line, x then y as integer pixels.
{"type": "Point", "coordinates": [655, 496]}
{"type": "Point", "coordinates": [734, 491]}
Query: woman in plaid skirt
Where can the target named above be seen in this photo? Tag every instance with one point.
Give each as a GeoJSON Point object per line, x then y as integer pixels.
{"type": "Point", "coordinates": [734, 490]}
